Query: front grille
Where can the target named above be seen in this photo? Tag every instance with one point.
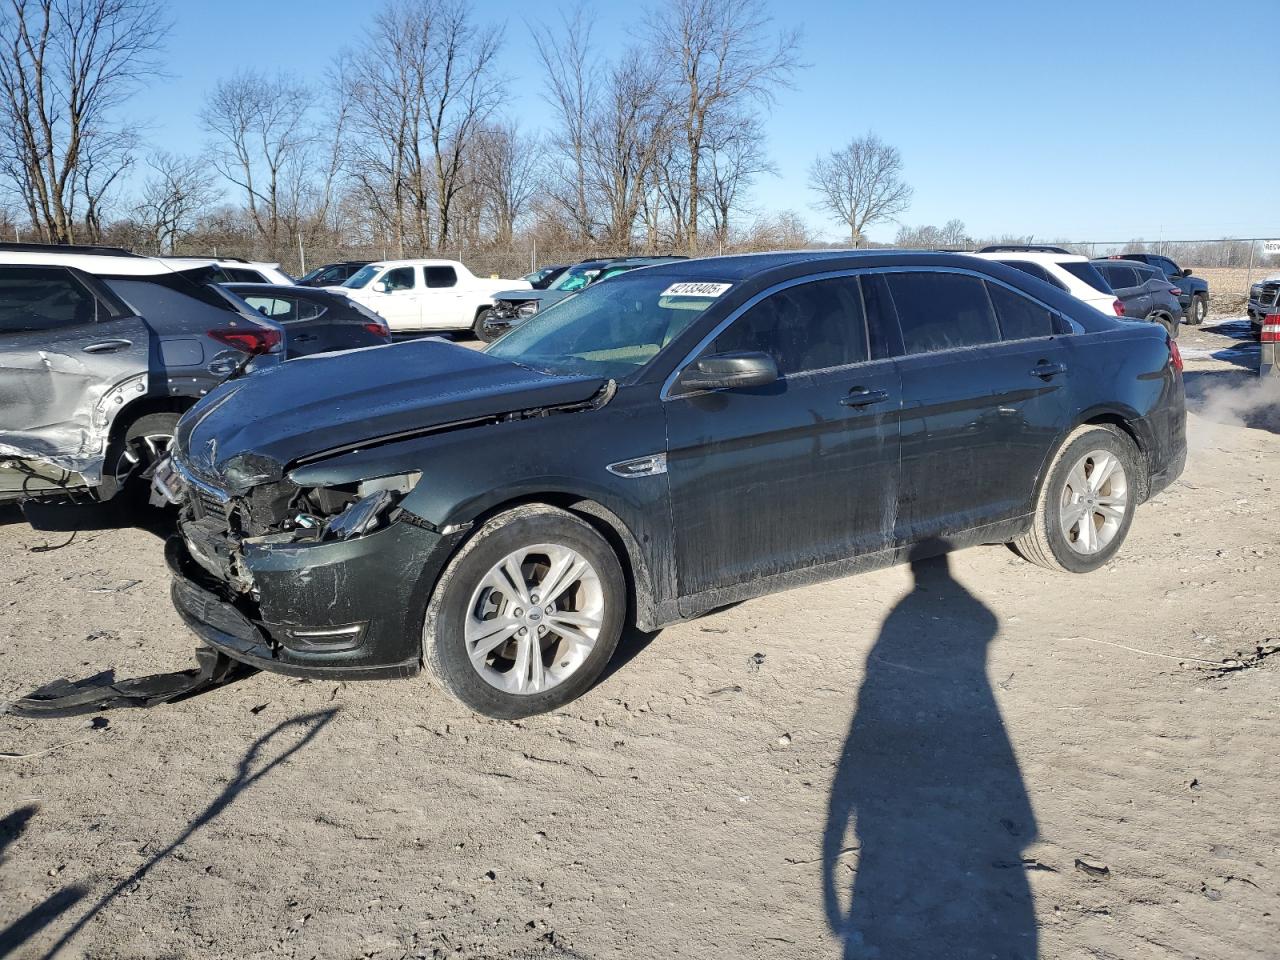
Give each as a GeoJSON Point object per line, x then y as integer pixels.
{"type": "Point", "coordinates": [209, 507]}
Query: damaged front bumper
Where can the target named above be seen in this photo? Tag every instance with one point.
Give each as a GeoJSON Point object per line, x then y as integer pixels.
{"type": "Point", "coordinates": [339, 609]}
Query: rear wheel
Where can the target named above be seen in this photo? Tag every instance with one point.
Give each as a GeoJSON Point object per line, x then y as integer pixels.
{"type": "Point", "coordinates": [527, 615]}
{"type": "Point", "coordinates": [1170, 325]}
{"type": "Point", "coordinates": [1198, 310]}
{"type": "Point", "coordinates": [1086, 504]}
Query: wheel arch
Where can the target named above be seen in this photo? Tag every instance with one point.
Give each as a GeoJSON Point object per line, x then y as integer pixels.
{"type": "Point", "coordinates": [1123, 419]}
{"type": "Point", "coordinates": [642, 602]}
{"type": "Point", "coordinates": [144, 406]}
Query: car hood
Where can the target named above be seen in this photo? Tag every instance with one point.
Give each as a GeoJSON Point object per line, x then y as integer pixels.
{"type": "Point", "coordinates": [544, 298]}
{"type": "Point", "coordinates": [315, 406]}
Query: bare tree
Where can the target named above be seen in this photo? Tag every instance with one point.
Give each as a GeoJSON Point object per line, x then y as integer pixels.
{"type": "Point", "coordinates": [65, 67]}
{"type": "Point", "coordinates": [724, 58]}
{"type": "Point", "coordinates": [735, 159]}
{"type": "Point", "coordinates": [572, 80]}
{"type": "Point", "coordinates": [177, 192]}
{"type": "Point", "coordinates": [624, 139]}
{"type": "Point", "coordinates": [507, 172]}
{"type": "Point", "coordinates": [861, 184]}
{"type": "Point", "coordinates": [262, 142]}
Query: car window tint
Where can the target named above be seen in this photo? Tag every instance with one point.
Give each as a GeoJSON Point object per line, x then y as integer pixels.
{"type": "Point", "coordinates": [240, 275]}
{"type": "Point", "coordinates": [811, 326]}
{"type": "Point", "coordinates": [43, 298]}
{"type": "Point", "coordinates": [334, 275]}
{"type": "Point", "coordinates": [401, 278]}
{"type": "Point", "coordinates": [1021, 318]}
{"type": "Point", "coordinates": [1035, 270]}
{"type": "Point", "coordinates": [941, 311]}
{"type": "Point", "coordinates": [441, 276]}
{"type": "Point", "coordinates": [273, 307]}
{"type": "Point", "coordinates": [1088, 273]}
{"type": "Point", "coordinates": [882, 325]}
{"type": "Point", "coordinates": [1121, 277]}
{"type": "Point", "coordinates": [307, 310]}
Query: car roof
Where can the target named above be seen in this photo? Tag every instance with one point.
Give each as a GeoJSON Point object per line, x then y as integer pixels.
{"type": "Point", "coordinates": [237, 286]}
{"type": "Point", "coordinates": [1031, 256]}
{"type": "Point", "coordinates": [109, 264]}
{"type": "Point", "coordinates": [415, 262]}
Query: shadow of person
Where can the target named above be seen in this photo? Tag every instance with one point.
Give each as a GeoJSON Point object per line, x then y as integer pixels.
{"type": "Point", "coordinates": [930, 787]}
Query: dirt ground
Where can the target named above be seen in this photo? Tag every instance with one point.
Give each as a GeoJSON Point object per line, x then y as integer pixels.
{"type": "Point", "coordinates": [973, 759]}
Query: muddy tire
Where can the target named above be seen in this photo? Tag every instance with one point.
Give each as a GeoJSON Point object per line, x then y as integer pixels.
{"type": "Point", "coordinates": [133, 455]}
{"type": "Point", "coordinates": [527, 614]}
{"type": "Point", "coordinates": [1086, 504]}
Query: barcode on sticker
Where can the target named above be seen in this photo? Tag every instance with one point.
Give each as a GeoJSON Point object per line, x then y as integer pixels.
{"type": "Point", "coordinates": [696, 289]}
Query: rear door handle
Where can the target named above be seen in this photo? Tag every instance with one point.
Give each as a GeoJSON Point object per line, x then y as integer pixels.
{"type": "Point", "coordinates": [1044, 370]}
{"type": "Point", "coordinates": [862, 397]}
{"type": "Point", "coordinates": [107, 346]}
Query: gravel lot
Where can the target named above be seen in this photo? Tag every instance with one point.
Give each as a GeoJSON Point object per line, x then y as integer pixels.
{"type": "Point", "coordinates": [1040, 765]}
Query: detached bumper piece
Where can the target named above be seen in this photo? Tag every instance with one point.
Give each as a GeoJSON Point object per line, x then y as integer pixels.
{"type": "Point", "coordinates": [333, 610]}
{"type": "Point", "coordinates": [64, 698]}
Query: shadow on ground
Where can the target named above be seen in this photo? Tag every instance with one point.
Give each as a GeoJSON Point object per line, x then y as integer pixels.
{"type": "Point", "coordinates": [259, 760]}
{"type": "Point", "coordinates": [928, 816]}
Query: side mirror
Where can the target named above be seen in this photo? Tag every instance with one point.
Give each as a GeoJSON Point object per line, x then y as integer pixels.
{"type": "Point", "coordinates": [726, 370]}
{"type": "Point", "coordinates": [1186, 272]}
{"type": "Point", "coordinates": [380, 287]}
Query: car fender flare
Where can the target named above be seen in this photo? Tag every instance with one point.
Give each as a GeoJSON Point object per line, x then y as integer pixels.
{"type": "Point", "coordinates": [1118, 415]}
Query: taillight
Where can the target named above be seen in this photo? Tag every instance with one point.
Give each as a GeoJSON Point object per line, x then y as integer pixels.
{"type": "Point", "coordinates": [378, 329]}
{"type": "Point", "coordinates": [251, 340]}
{"type": "Point", "coordinates": [1118, 307]}
{"type": "Point", "coordinates": [1271, 328]}
{"type": "Point", "coordinates": [1175, 355]}
{"type": "Point", "coordinates": [1175, 291]}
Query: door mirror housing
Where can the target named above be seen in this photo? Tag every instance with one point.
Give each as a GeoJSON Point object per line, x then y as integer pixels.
{"type": "Point", "coordinates": [381, 287]}
{"type": "Point", "coordinates": [723, 371]}
{"type": "Point", "coordinates": [1185, 273]}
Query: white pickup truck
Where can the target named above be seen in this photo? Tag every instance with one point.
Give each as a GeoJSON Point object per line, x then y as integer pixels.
{"type": "Point", "coordinates": [417, 295]}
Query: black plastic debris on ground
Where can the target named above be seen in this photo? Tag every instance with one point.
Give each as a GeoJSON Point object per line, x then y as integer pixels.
{"type": "Point", "coordinates": [67, 698]}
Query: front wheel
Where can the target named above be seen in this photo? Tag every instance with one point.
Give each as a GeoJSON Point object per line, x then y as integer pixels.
{"type": "Point", "coordinates": [480, 329]}
{"type": "Point", "coordinates": [1086, 504]}
{"type": "Point", "coordinates": [527, 615]}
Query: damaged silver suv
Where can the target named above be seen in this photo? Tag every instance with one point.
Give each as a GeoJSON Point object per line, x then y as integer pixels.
{"type": "Point", "coordinates": [675, 439]}
{"type": "Point", "coordinates": [100, 353]}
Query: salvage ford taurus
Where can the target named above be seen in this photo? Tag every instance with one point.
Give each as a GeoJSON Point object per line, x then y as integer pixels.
{"type": "Point", "coordinates": [663, 444]}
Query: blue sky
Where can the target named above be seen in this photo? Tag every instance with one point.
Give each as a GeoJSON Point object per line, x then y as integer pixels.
{"type": "Point", "coordinates": [1086, 119]}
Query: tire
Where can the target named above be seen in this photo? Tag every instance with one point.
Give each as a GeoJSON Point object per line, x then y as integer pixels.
{"type": "Point", "coordinates": [1198, 310]}
{"type": "Point", "coordinates": [132, 457]}
{"type": "Point", "coordinates": [1050, 542]}
{"type": "Point", "coordinates": [478, 328]}
{"type": "Point", "coordinates": [454, 627]}
{"type": "Point", "coordinates": [1170, 325]}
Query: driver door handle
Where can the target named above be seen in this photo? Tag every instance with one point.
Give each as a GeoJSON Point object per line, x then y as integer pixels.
{"type": "Point", "coordinates": [107, 346]}
{"type": "Point", "coordinates": [863, 397]}
{"type": "Point", "coordinates": [1044, 369]}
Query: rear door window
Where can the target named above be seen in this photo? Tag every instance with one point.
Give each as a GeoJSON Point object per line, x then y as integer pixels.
{"type": "Point", "coordinates": [942, 311]}
{"type": "Point", "coordinates": [441, 277]}
{"type": "Point", "coordinates": [1021, 318]}
{"type": "Point", "coordinates": [1119, 276]}
{"type": "Point", "coordinates": [811, 326]}
{"type": "Point", "coordinates": [1035, 270]}
{"type": "Point", "coordinates": [44, 298]}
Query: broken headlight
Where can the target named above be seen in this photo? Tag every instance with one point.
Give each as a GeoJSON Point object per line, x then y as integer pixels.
{"type": "Point", "coordinates": [368, 505]}
{"type": "Point", "coordinates": [526, 310]}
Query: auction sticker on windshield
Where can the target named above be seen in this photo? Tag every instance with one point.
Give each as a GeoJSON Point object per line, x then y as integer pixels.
{"type": "Point", "coordinates": [696, 289]}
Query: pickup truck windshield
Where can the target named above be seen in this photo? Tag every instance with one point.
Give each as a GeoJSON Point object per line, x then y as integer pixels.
{"type": "Point", "coordinates": [610, 329]}
{"type": "Point", "coordinates": [362, 277]}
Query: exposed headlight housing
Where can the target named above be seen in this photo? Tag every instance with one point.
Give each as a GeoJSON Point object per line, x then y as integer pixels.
{"type": "Point", "coordinates": [528, 309]}
{"type": "Point", "coordinates": [374, 502]}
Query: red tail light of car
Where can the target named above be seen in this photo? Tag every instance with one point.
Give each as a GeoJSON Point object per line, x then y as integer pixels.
{"type": "Point", "coordinates": [1175, 291]}
{"type": "Point", "coordinates": [1118, 307]}
{"type": "Point", "coordinates": [378, 329]}
{"type": "Point", "coordinates": [1175, 355]}
{"type": "Point", "coordinates": [1271, 328]}
{"type": "Point", "coordinates": [252, 340]}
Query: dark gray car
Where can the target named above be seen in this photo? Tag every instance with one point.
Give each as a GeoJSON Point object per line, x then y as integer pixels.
{"type": "Point", "coordinates": [1144, 291]}
{"type": "Point", "coordinates": [314, 321]}
{"type": "Point", "coordinates": [100, 354]}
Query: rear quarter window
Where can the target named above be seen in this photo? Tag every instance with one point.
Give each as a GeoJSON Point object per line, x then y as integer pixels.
{"type": "Point", "coordinates": [942, 311]}
{"type": "Point", "coordinates": [1021, 318]}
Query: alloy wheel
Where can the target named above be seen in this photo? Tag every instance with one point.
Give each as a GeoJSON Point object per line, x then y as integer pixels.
{"type": "Point", "coordinates": [534, 618]}
{"type": "Point", "coordinates": [1094, 501]}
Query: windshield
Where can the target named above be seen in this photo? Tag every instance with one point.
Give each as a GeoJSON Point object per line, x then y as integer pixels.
{"type": "Point", "coordinates": [310, 275]}
{"type": "Point", "coordinates": [575, 278]}
{"type": "Point", "coordinates": [362, 277]}
{"type": "Point", "coordinates": [610, 329]}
